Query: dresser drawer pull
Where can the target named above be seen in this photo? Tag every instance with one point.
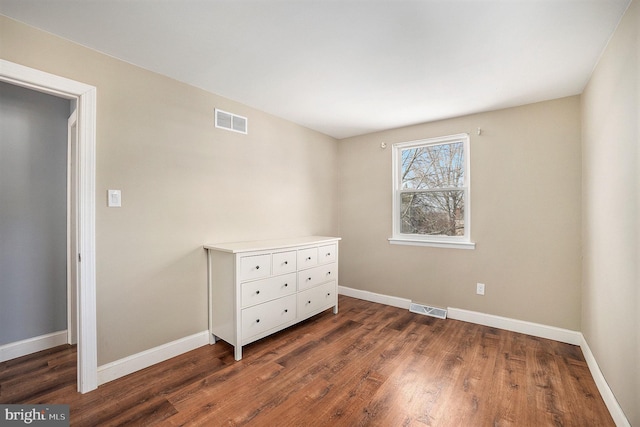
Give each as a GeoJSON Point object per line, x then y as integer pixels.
{"type": "Point", "coordinates": [308, 258]}
{"type": "Point", "coordinates": [257, 292]}
{"type": "Point", "coordinates": [328, 254]}
{"type": "Point", "coordinates": [286, 262]}
{"type": "Point", "coordinates": [328, 273]}
{"type": "Point", "coordinates": [286, 310]}
{"type": "Point", "coordinates": [257, 320]}
{"type": "Point", "coordinates": [286, 284]}
{"type": "Point", "coordinates": [328, 294]}
{"type": "Point", "coordinates": [257, 267]}
{"type": "Point", "coordinates": [309, 302]}
{"type": "Point", "coordinates": [309, 278]}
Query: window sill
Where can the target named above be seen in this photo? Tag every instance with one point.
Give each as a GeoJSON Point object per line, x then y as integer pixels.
{"type": "Point", "coordinates": [432, 243]}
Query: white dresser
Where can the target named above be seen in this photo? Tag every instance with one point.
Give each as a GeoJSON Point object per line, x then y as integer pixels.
{"type": "Point", "coordinates": [258, 288]}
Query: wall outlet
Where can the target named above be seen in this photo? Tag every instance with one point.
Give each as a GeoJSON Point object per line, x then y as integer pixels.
{"type": "Point", "coordinates": [480, 288]}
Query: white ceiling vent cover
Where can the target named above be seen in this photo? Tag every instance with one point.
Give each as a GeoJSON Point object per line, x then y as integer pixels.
{"type": "Point", "coordinates": [429, 311]}
{"type": "Point", "coordinates": [232, 122]}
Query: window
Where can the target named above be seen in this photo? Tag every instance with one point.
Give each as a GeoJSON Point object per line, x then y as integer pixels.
{"type": "Point", "coordinates": [431, 192]}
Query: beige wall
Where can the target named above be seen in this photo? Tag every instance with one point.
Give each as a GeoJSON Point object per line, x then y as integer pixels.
{"type": "Point", "coordinates": [611, 225]}
{"type": "Point", "coordinates": [183, 183]}
{"type": "Point", "coordinates": [525, 217]}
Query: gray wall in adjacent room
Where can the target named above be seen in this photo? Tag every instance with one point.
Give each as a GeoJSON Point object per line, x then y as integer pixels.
{"type": "Point", "coordinates": [33, 206]}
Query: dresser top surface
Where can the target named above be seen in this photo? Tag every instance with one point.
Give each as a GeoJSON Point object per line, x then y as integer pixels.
{"type": "Point", "coordinates": [265, 245]}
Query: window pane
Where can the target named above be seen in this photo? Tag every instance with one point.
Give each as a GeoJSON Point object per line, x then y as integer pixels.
{"type": "Point", "coordinates": [436, 213]}
{"type": "Point", "coordinates": [433, 166]}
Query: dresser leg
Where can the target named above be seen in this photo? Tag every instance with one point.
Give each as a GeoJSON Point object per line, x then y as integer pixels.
{"type": "Point", "coordinates": [335, 309]}
{"type": "Point", "coordinates": [237, 352]}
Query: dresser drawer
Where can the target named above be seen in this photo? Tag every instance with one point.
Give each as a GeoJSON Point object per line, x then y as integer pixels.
{"type": "Point", "coordinates": [283, 262]}
{"type": "Point", "coordinates": [259, 291]}
{"type": "Point", "coordinates": [263, 317]}
{"type": "Point", "coordinates": [255, 266]}
{"type": "Point", "coordinates": [315, 276]}
{"type": "Point", "coordinates": [327, 254]}
{"type": "Point", "coordinates": [307, 258]}
{"type": "Point", "coordinates": [314, 299]}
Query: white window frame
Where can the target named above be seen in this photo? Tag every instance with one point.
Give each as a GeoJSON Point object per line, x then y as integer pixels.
{"type": "Point", "coordinates": [459, 242]}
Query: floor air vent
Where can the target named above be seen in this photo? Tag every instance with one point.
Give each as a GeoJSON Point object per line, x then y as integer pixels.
{"type": "Point", "coordinates": [231, 122]}
{"type": "Point", "coordinates": [429, 311]}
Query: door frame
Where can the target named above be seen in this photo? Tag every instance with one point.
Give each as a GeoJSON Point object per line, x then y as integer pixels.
{"type": "Point", "coordinates": [72, 226]}
{"type": "Point", "coordinates": [85, 97]}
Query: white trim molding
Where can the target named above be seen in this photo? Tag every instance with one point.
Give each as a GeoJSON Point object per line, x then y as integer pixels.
{"type": "Point", "coordinates": [535, 329]}
{"type": "Point", "coordinates": [603, 387]}
{"type": "Point", "coordinates": [374, 297]}
{"type": "Point", "coordinates": [31, 345]}
{"type": "Point", "coordinates": [144, 359]}
{"type": "Point", "coordinates": [85, 96]}
{"type": "Point", "coordinates": [432, 243]}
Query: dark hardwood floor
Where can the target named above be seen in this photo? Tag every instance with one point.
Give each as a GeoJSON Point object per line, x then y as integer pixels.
{"type": "Point", "coordinates": [369, 365]}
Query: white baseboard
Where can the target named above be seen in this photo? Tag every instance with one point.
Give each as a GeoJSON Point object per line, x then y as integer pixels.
{"type": "Point", "coordinates": [535, 329]}
{"type": "Point", "coordinates": [373, 297]}
{"type": "Point", "coordinates": [603, 387]}
{"type": "Point", "coordinates": [32, 345]}
{"type": "Point", "coordinates": [144, 359]}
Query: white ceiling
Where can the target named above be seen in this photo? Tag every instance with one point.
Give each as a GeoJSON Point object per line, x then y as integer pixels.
{"type": "Point", "coordinates": [349, 67]}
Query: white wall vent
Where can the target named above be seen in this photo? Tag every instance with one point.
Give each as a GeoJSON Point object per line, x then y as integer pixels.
{"type": "Point", "coordinates": [440, 313]}
{"type": "Point", "coordinates": [232, 122]}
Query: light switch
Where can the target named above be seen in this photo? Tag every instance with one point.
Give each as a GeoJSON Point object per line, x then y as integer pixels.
{"type": "Point", "coordinates": [114, 199]}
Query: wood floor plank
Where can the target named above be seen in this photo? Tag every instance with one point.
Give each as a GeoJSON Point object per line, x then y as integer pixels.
{"type": "Point", "coordinates": [508, 393]}
{"type": "Point", "coordinates": [370, 365]}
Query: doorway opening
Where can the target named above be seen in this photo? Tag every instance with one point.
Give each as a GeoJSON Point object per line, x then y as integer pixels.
{"type": "Point", "coordinates": [82, 136]}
